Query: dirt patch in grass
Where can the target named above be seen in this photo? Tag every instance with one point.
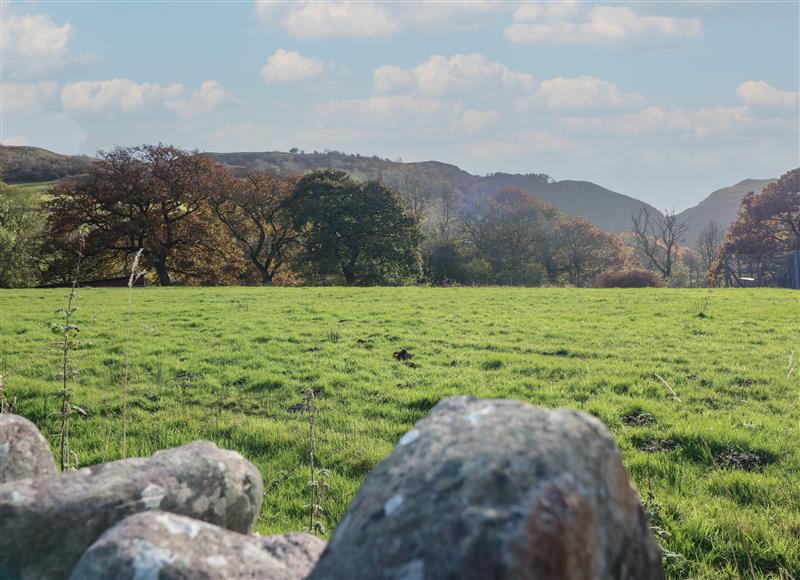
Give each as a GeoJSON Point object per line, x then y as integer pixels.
{"type": "Point", "coordinates": [297, 408]}
{"type": "Point", "coordinates": [745, 460]}
{"type": "Point", "coordinates": [638, 419]}
{"type": "Point", "coordinates": [655, 445]}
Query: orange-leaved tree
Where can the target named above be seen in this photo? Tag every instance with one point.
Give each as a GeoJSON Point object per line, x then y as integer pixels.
{"type": "Point", "coordinates": [150, 197]}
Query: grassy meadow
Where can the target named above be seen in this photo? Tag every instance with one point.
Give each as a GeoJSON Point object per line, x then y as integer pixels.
{"type": "Point", "coordinates": [717, 463]}
{"type": "Point", "coordinates": [38, 187]}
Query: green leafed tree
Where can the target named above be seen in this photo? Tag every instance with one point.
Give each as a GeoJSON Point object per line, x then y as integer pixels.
{"type": "Point", "coordinates": [21, 227]}
{"type": "Point", "coordinates": [358, 233]}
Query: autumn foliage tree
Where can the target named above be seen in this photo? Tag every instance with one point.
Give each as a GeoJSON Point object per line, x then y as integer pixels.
{"type": "Point", "coordinates": [584, 251]}
{"type": "Point", "coordinates": [151, 197]}
{"type": "Point", "coordinates": [769, 222]}
{"type": "Point", "coordinates": [254, 212]}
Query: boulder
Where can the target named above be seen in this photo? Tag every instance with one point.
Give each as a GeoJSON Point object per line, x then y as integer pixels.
{"type": "Point", "coordinates": [171, 547]}
{"type": "Point", "coordinates": [46, 524]}
{"type": "Point", "coordinates": [23, 451]}
{"type": "Point", "coordinates": [496, 489]}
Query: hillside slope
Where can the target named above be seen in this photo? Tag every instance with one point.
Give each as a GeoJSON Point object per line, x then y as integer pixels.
{"type": "Point", "coordinates": [721, 207]}
{"type": "Point", "coordinates": [32, 164]}
{"type": "Point", "coordinates": [603, 207]}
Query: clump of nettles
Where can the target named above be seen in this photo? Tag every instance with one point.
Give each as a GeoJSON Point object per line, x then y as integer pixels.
{"type": "Point", "coordinates": [318, 478]}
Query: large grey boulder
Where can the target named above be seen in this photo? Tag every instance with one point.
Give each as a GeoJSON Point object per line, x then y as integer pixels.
{"type": "Point", "coordinates": [46, 524]}
{"type": "Point", "coordinates": [23, 450]}
{"type": "Point", "coordinates": [496, 489]}
{"type": "Point", "coordinates": [171, 547]}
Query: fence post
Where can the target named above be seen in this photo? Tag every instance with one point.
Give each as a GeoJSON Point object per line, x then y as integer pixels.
{"type": "Point", "coordinates": [796, 270]}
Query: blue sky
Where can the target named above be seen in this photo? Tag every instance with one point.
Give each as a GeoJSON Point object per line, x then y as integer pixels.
{"type": "Point", "coordinates": [664, 101]}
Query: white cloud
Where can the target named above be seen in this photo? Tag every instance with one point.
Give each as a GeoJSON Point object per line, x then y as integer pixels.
{"type": "Point", "coordinates": [602, 24]}
{"type": "Point", "coordinates": [390, 109]}
{"type": "Point", "coordinates": [699, 122]}
{"type": "Point", "coordinates": [124, 95]}
{"type": "Point", "coordinates": [581, 93]}
{"type": "Point", "coordinates": [404, 113]}
{"type": "Point", "coordinates": [328, 19]}
{"type": "Point", "coordinates": [440, 75]}
{"type": "Point", "coordinates": [114, 95]}
{"type": "Point", "coordinates": [759, 93]}
{"type": "Point", "coordinates": [208, 97]}
{"type": "Point", "coordinates": [289, 66]}
{"type": "Point", "coordinates": [474, 121]}
{"type": "Point", "coordinates": [546, 11]}
{"type": "Point", "coordinates": [20, 97]}
{"type": "Point", "coordinates": [32, 43]}
{"type": "Point", "coordinates": [353, 19]}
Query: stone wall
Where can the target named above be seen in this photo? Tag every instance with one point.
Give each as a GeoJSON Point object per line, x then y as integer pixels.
{"type": "Point", "coordinates": [477, 489]}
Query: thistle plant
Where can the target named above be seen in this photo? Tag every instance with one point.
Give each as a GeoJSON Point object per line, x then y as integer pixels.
{"type": "Point", "coordinates": [67, 332]}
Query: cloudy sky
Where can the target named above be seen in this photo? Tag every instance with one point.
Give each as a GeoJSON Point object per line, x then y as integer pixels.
{"type": "Point", "coordinates": [665, 101]}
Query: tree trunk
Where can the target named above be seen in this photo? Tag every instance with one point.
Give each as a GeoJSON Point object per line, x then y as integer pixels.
{"type": "Point", "coordinates": [266, 276]}
{"type": "Point", "coordinates": [349, 275]}
{"type": "Point", "coordinates": [161, 270]}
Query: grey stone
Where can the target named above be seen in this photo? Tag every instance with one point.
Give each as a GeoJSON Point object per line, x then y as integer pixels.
{"type": "Point", "coordinates": [298, 551]}
{"type": "Point", "coordinates": [23, 451]}
{"type": "Point", "coordinates": [166, 546]}
{"type": "Point", "coordinates": [46, 524]}
{"type": "Point", "coordinates": [496, 489]}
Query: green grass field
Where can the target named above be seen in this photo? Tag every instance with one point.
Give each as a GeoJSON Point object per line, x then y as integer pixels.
{"type": "Point", "coordinates": [38, 187]}
{"type": "Point", "coordinates": [721, 467]}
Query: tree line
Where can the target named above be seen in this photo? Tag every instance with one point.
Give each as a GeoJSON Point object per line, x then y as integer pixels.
{"type": "Point", "coordinates": [198, 222]}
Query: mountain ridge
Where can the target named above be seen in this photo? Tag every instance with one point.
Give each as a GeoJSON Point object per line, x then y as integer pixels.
{"type": "Point", "coordinates": [721, 206]}
{"type": "Point", "coordinates": [601, 206]}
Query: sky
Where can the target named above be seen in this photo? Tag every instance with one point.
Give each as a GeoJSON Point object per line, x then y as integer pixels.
{"type": "Point", "coordinates": [663, 101]}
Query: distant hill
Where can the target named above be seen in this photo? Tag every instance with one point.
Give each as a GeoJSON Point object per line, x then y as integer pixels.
{"type": "Point", "coordinates": [604, 208]}
{"type": "Point", "coordinates": [721, 207]}
{"type": "Point", "coordinates": [32, 164]}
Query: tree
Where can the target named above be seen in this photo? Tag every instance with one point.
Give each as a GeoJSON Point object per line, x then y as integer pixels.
{"type": "Point", "coordinates": [361, 232]}
{"type": "Point", "coordinates": [586, 251]}
{"type": "Point", "coordinates": [769, 222]}
{"type": "Point", "coordinates": [254, 212]}
{"type": "Point", "coordinates": [658, 238]}
{"type": "Point", "coordinates": [21, 229]}
{"type": "Point", "coordinates": [413, 191]}
{"type": "Point", "coordinates": [447, 210]}
{"type": "Point", "coordinates": [448, 262]}
{"type": "Point", "coordinates": [516, 234]}
{"type": "Point", "coordinates": [708, 245]}
{"type": "Point", "coordinates": [151, 197]}
{"type": "Point", "coordinates": [690, 268]}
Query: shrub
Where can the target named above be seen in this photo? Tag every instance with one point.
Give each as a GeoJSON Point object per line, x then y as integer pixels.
{"type": "Point", "coordinates": [628, 279]}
